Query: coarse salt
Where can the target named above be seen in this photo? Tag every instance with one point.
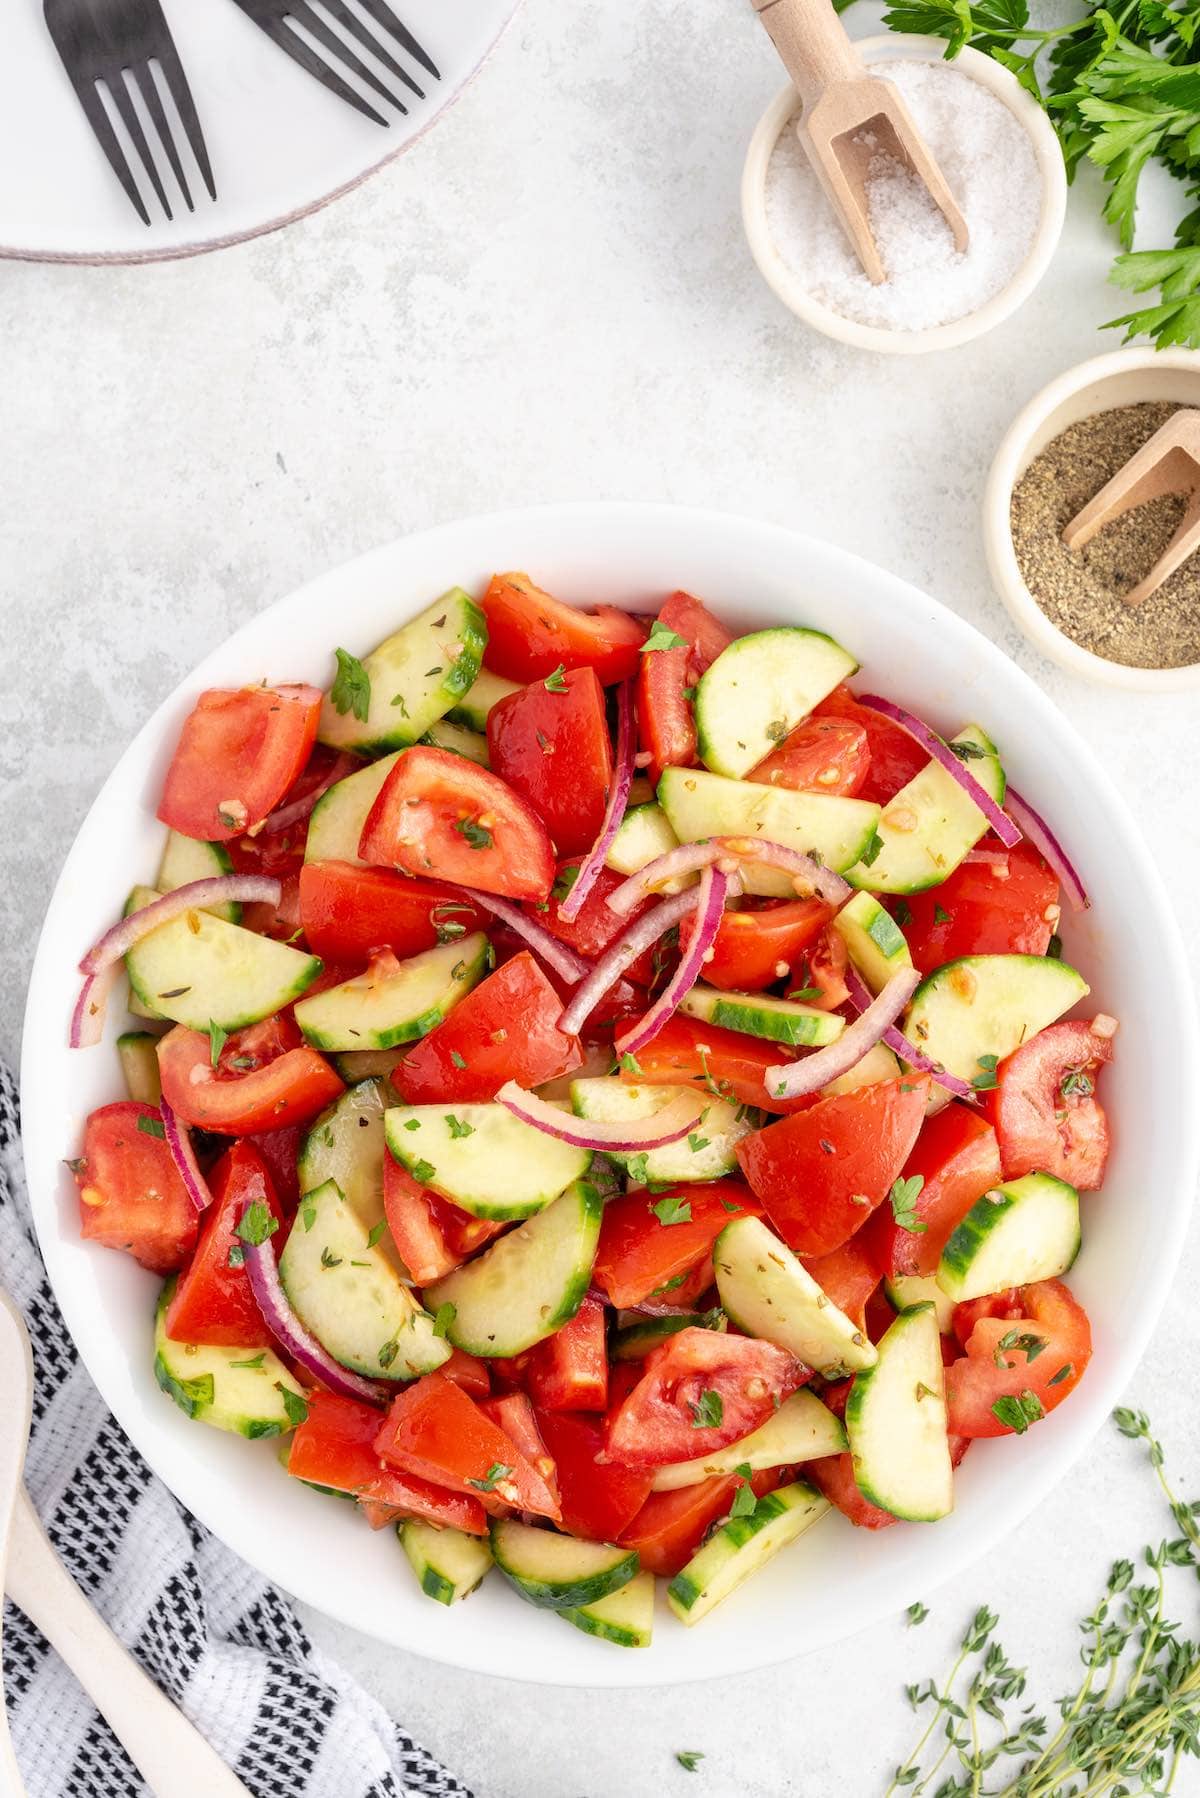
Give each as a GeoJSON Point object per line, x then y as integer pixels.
{"type": "Point", "coordinates": [988, 160]}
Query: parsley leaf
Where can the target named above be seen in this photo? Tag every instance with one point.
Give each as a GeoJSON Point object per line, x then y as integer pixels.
{"type": "Point", "coordinates": [294, 1403]}
{"type": "Point", "coordinates": [708, 1411]}
{"type": "Point", "coordinates": [556, 683]}
{"type": "Point", "coordinates": [491, 1479]}
{"type": "Point", "coordinates": [673, 1211]}
{"type": "Point", "coordinates": [1016, 1411]}
{"type": "Point", "coordinates": [871, 853]}
{"type": "Point", "coordinates": [904, 1196]}
{"type": "Point", "coordinates": [376, 1232]}
{"type": "Point", "coordinates": [985, 1080]}
{"type": "Point", "coordinates": [423, 1171]}
{"type": "Point", "coordinates": [744, 1500]}
{"type": "Point", "coordinates": [351, 689]}
{"type": "Point", "coordinates": [460, 1061]}
{"type": "Point", "coordinates": [475, 833]}
{"type": "Point", "coordinates": [458, 1127]}
{"type": "Point", "coordinates": [446, 1315]}
{"type": "Point", "coordinates": [256, 1224]}
{"type": "Point", "coordinates": [663, 637]}
{"type": "Point", "coordinates": [217, 1038]}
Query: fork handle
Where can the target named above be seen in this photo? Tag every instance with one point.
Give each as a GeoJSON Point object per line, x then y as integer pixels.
{"type": "Point", "coordinates": [172, 1756]}
{"type": "Point", "coordinates": [813, 45]}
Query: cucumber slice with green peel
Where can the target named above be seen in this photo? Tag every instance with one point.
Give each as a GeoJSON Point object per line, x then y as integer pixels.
{"type": "Point", "coordinates": [877, 1064]}
{"type": "Point", "coordinates": [335, 824]}
{"type": "Point", "coordinates": [759, 689]}
{"type": "Point", "coordinates": [137, 1052]}
{"type": "Point", "coordinates": [642, 836]}
{"type": "Point", "coordinates": [761, 1014]}
{"type": "Point", "coordinates": [459, 741]}
{"type": "Point", "coordinates": [485, 691]}
{"type": "Point", "coordinates": [1021, 1231]}
{"type": "Point", "coordinates": [346, 1145]}
{"type": "Point", "coordinates": [557, 1572]}
{"type": "Point", "coordinates": [906, 1290]}
{"type": "Point", "coordinates": [241, 1390]}
{"type": "Point", "coordinates": [528, 1283]}
{"type": "Point", "coordinates": [874, 941]}
{"type": "Point", "coordinates": [803, 1429]}
{"type": "Point", "coordinates": [699, 805]}
{"type": "Point", "coordinates": [625, 1617]}
{"type": "Point", "coordinates": [896, 1422]}
{"type": "Point", "coordinates": [741, 1546]}
{"type": "Point", "coordinates": [969, 1014]}
{"type": "Point", "coordinates": [929, 826]}
{"type": "Point", "coordinates": [634, 1341]}
{"type": "Point", "coordinates": [199, 970]}
{"type": "Point", "coordinates": [346, 1290]}
{"type": "Point", "coordinates": [415, 676]}
{"type": "Point", "coordinates": [706, 1153]}
{"type": "Point", "coordinates": [138, 899]}
{"type": "Point", "coordinates": [767, 1292]}
{"type": "Point", "coordinates": [187, 858]}
{"type": "Point", "coordinates": [448, 1563]}
{"type": "Point", "coordinates": [486, 1160]}
{"type": "Point", "coordinates": [378, 1009]}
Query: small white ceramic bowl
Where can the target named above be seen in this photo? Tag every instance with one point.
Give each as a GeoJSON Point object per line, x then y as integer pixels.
{"type": "Point", "coordinates": [1125, 378]}
{"type": "Point", "coordinates": [900, 47]}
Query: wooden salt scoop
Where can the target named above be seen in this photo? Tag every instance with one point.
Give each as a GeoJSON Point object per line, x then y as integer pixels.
{"type": "Point", "coordinates": [1168, 463]}
{"type": "Point", "coordinates": [849, 118]}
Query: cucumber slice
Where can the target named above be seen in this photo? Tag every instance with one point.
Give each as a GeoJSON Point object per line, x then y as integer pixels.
{"type": "Point", "coordinates": [896, 1422]}
{"type": "Point", "coordinates": [448, 1563]}
{"type": "Point", "coordinates": [767, 1292]}
{"type": "Point", "coordinates": [877, 1064]}
{"type": "Point", "coordinates": [931, 823]}
{"type": "Point", "coordinates": [706, 1153]}
{"type": "Point", "coordinates": [559, 1572]}
{"type": "Point", "coordinates": [460, 741]}
{"type": "Point", "coordinates": [905, 1290]}
{"type": "Point", "coordinates": [483, 1158]}
{"type": "Point", "coordinates": [761, 1014]}
{"type": "Point", "coordinates": [236, 1389]}
{"type": "Point", "coordinates": [528, 1283]}
{"type": "Point", "coordinates": [1022, 1231]}
{"type": "Point", "coordinates": [803, 1429]}
{"type": "Point", "coordinates": [485, 691]}
{"type": "Point", "coordinates": [415, 676]}
{"type": "Point", "coordinates": [347, 1292]}
{"type": "Point", "coordinates": [377, 1009]}
{"type": "Point", "coordinates": [137, 1052]}
{"type": "Point", "coordinates": [368, 1064]}
{"type": "Point", "coordinates": [984, 1006]}
{"type": "Point", "coordinates": [199, 970]}
{"type": "Point", "coordinates": [187, 858]}
{"type": "Point", "coordinates": [346, 1145]}
{"type": "Point", "coordinates": [139, 898]}
{"type": "Point", "coordinates": [874, 941]}
{"type": "Point", "coordinates": [335, 824]}
{"type": "Point", "coordinates": [634, 1341]}
{"type": "Point", "coordinates": [642, 836]}
{"type": "Point", "coordinates": [625, 1617]}
{"type": "Point", "coordinates": [700, 805]}
{"type": "Point", "coordinates": [741, 1546]}
{"type": "Point", "coordinates": [759, 689]}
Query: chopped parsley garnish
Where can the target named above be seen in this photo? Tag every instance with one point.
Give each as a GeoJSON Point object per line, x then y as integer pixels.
{"type": "Point", "coordinates": [217, 1038]}
{"type": "Point", "coordinates": [254, 1363]}
{"type": "Point", "coordinates": [445, 1316]}
{"type": "Point", "coordinates": [902, 912]}
{"type": "Point", "coordinates": [388, 1352]}
{"type": "Point", "coordinates": [237, 1255]}
{"type": "Point", "coordinates": [294, 1404]}
{"type": "Point", "coordinates": [629, 1064]}
{"type": "Point", "coordinates": [1054, 949]}
{"type": "Point", "coordinates": [668, 1286]}
{"type": "Point", "coordinates": [708, 1411]}
{"type": "Point", "coordinates": [1078, 1081]}
{"type": "Point", "coordinates": [635, 1167]}
{"type": "Point", "coordinates": [351, 689]}
{"type": "Point", "coordinates": [476, 835]}
{"type": "Point", "coordinates": [940, 915]}
{"type": "Point", "coordinates": [1017, 1411]}
{"type": "Point", "coordinates": [554, 683]}
{"type": "Point", "coordinates": [1063, 1373]}
{"type": "Point", "coordinates": [689, 1758]}
{"type": "Point", "coordinates": [491, 1479]}
{"type": "Point", "coordinates": [870, 854]}
{"type": "Point", "coordinates": [805, 992]}
{"type": "Point", "coordinates": [458, 1060]}
{"type": "Point", "coordinates": [744, 1500]}
{"type": "Point", "coordinates": [329, 1259]}
{"type": "Point", "coordinates": [663, 637]}
{"type": "Point", "coordinates": [777, 730]}
{"type": "Point", "coordinates": [308, 1214]}
{"type": "Point", "coordinates": [424, 1172]}
{"type": "Point", "coordinates": [399, 700]}
{"type": "Point", "coordinates": [1029, 1345]}
{"type": "Point", "coordinates": [697, 1142]}
{"type": "Point", "coordinates": [730, 1205]}
{"type": "Point", "coordinates": [458, 1127]}
{"type": "Point", "coordinates": [904, 1197]}
{"type": "Point", "coordinates": [376, 1234]}
{"type": "Point", "coordinates": [986, 1078]}
{"type": "Point", "coordinates": [151, 1127]}
{"type": "Point", "coordinates": [565, 881]}
{"type": "Point", "coordinates": [412, 1123]}
{"type": "Point", "coordinates": [673, 1211]}
{"type": "Point", "coordinates": [257, 1223]}
{"type": "Point", "coordinates": [916, 1613]}
{"type": "Point", "coordinates": [967, 752]}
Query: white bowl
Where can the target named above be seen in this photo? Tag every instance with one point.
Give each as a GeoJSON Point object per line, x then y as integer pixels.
{"type": "Point", "coordinates": [901, 47]}
{"type": "Point", "coordinates": [1124, 378]}
{"type": "Point", "coordinates": [836, 1580]}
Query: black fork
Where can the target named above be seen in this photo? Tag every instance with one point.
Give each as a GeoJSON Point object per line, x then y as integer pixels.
{"type": "Point", "coordinates": [279, 17]}
{"type": "Point", "coordinates": [116, 43]}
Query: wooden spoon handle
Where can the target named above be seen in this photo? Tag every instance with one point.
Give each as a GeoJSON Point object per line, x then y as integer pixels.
{"type": "Point", "coordinates": [812, 44]}
{"type": "Point", "coordinates": [173, 1757]}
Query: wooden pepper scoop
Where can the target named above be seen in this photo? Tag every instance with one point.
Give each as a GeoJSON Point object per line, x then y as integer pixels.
{"type": "Point", "coordinates": [842, 102]}
{"type": "Point", "coordinates": [1168, 463]}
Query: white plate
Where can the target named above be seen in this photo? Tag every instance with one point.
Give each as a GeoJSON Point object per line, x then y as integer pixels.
{"type": "Point", "coordinates": [837, 1579]}
{"type": "Point", "coordinates": [280, 143]}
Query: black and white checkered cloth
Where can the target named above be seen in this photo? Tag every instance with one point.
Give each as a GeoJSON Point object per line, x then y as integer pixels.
{"type": "Point", "coordinates": [222, 1643]}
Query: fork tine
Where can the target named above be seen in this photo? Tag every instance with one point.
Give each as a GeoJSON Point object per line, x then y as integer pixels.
{"type": "Point", "coordinates": [167, 57]}
{"type": "Point", "coordinates": [143, 80]}
{"type": "Point", "coordinates": [308, 59]}
{"type": "Point", "coordinates": [123, 101]}
{"type": "Point", "coordinates": [97, 117]}
{"type": "Point", "coordinates": [302, 13]}
{"type": "Point", "coordinates": [383, 15]}
{"type": "Point", "coordinates": [351, 22]}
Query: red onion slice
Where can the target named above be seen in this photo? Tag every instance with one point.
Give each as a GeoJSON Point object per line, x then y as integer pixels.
{"type": "Point", "coordinates": [197, 895]}
{"type": "Point", "coordinates": [87, 1018]}
{"type": "Point", "coordinates": [642, 934]}
{"type": "Point", "coordinates": [689, 858]}
{"type": "Point", "coordinates": [299, 809]}
{"type": "Point", "coordinates": [709, 909]}
{"type": "Point", "coordinates": [675, 864]}
{"type": "Point", "coordinates": [805, 868]}
{"type": "Point", "coordinates": [793, 1079]}
{"type": "Point", "coordinates": [294, 1338]}
{"type": "Point", "coordinates": [1047, 844]}
{"type": "Point", "coordinates": [666, 1126]}
{"type": "Point", "coordinates": [944, 756]}
{"type": "Point", "coordinates": [618, 798]}
{"type": "Point", "coordinates": [559, 956]}
{"type": "Point", "coordinates": [184, 1156]}
{"type": "Point", "coordinates": [906, 1050]}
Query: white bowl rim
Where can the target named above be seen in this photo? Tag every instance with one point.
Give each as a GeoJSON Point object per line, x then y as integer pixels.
{"type": "Point", "coordinates": [999, 81]}
{"type": "Point", "coordinates": [1002, 562]}
{"type": "Point", "coordinates": [45, 1036]}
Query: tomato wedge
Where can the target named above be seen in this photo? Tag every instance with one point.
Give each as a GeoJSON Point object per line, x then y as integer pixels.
{"type": "Point", "coordinates": [822, 755]}
{"type": "Point", "coordinates": [569, 1371]}
{"type": "Point", "coordinates": [1045, 1107]}
{"type": "Point", "coordinates": [699, 1391]}
{"type": "Point", "coordinates": [431, 1235]}
{"type": "Point", "coordinates": [725, 1062]}
{"type": "Point", "coordinates": [433, 1429]}
{"type": "Point", "coordinates": [639, 1255]}
{"type": "Point", "coordinates": [289, 1089]}
{"type": "Point", "coordinates": [666, 729]}
{"type": "Point", "coordinates": [214, 1301]}
{"type": "Point", "coordinates": [237, 755]}
{"type": "Point", "coordinates": [597, 924]}
{"type": "Point", "coordinates": [335, 1447]}
{"type": "Point", "coordinates": [1006, 907]}
{"type": "Point", "coordinates": [895, 757]}
{"type": "Point", "coordinates": [551, 744]}
{"type": "Point", "coordinates": [280, 1149]}
{"type": "Point", "coordinates": [1041, 1332]}
{"type": "Point", "coordinates": [437, 811]}
{"type": "Point", "coordinates": [670, 1526]}
{"type": "Point", "coordinates": [348, 911]}
{"type": "Point", "coordinates": [821, 1173]}
{"type": "Point", "coordinates": [758, 945]}
{"type": "Point", "coordinates": [530, 634]}
{"type": "Point", "coordinates": [818, 975]}
{"type": "Point", "coordinates": [505, 1029]}
{"type": "Point", "coordinates": [131, 1195]}
{"type": "Point", "coordinates": [956, 1159]}
{"type": "Point", "coordinates": [599, 1498]}
{"type": "Point", "coordinates": [847, 1276]}
{"type": "Point", "coordinates": [513, 1413]}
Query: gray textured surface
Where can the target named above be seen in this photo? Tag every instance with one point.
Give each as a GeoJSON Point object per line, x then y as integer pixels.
{"type": "Point", "coordinates": [550, 298]}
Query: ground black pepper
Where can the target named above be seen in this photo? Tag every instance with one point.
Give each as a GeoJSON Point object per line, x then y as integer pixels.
{"type": "Point", "coordinates": [1082, 591]}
